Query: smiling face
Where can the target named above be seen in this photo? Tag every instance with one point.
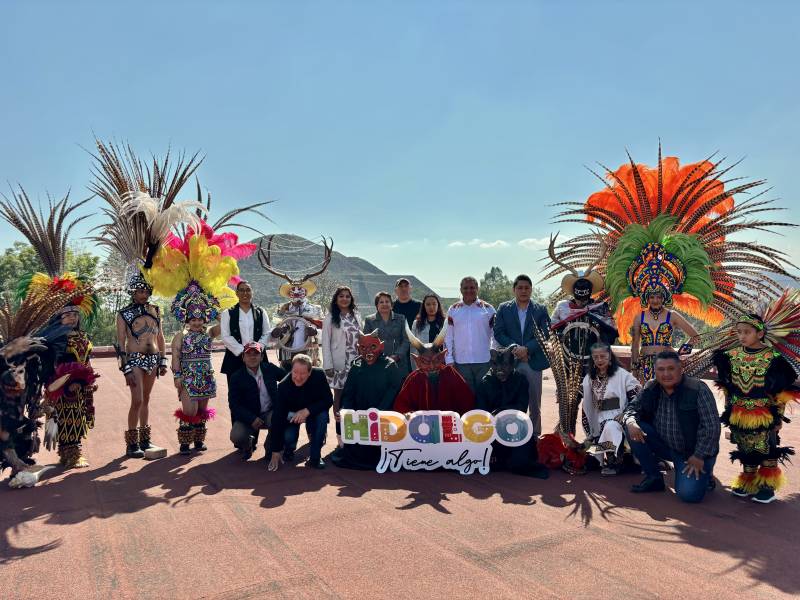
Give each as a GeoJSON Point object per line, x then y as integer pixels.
{"type": "Point", "coordinates": [469, 290]}
{"type": "Point", "coordinates": [300, 373]}
{"type": "Point", "coordinates": [343, 300]}
{"type": "Point", "coordinates": [196, 324]}
{"type": "Point", "coordinates": [384, 306]}
{"type": "Point", "coordinates": [244, 292]}
{"type": "Point", "coordinates": [370, 348]}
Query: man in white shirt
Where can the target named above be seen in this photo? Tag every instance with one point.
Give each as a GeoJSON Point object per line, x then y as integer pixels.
{"type": "Point", "coordinates": [241, 324]}
{"type": "Point", "coordinates": [469, 334]}
{"type": "Point", "coordinates": [252, 394]}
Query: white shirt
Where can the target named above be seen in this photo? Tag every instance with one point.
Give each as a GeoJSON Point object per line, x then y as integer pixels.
{"type": "Point", "coordinates": [263, 394]}
{"type": "Point", "coordinates": [246, 325]}
{"type": "Point", "coordinates": [469, 332]}
{"type": "Point", "coordinates": [522, 314]}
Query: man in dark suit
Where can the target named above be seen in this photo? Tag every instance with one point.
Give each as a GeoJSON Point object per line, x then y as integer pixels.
{"type": "Point", "coordinates": [242, 323]}
{"type": "Point", "coordinates": [252, 396]}
{"type": "Point", "coordinates": [303, 397]}
{"type": "Point", "coordinates": [513, 327]}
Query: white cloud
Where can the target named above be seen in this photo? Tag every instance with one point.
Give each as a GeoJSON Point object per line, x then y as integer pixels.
{"type": "Point", "coordinates": [456, 244]}
{"type": "Point", "coordinates": [390, 245]}
{"type": "Point", "coordinates": [474, 241]}
{"type": "Point", "coordinates": [534, 243]}
{"type": "Point", "coordinates": [494, 244]}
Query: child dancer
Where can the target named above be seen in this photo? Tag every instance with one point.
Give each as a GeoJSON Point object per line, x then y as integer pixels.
{"type": "Point", "coordinates": [758, 381]}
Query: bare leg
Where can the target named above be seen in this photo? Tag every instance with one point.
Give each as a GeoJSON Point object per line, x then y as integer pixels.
{"type": "Point", "coordinates": [148, 380]}
{"type": "Point", "coordinates": [188, 405]}
{"type": "Point", "coordinates": [136, 398]}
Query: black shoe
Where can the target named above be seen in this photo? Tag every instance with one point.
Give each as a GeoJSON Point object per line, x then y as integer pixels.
{"type": "Point", "coordinates": [185, 449]}
{"type": "Point", "coordinates": [316, 464]}
{"type": "Point", "coordinates": [764, 496]}
{"type": "Point", "coordinates": [134, 451]}
{"type": "Point", "coordinates": [649, 484]}
{"type": "Point", "coordinates": [712, 484]}
{"type": "Point", "coordinates": [200, 447]}
{"type": "Point", "coordinates": [288, 456]}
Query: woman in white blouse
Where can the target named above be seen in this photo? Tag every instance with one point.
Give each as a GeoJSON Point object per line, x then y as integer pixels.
{"type": "Point", "coordinates": [430, 320]}
{"type": "Point", "coordinates": [340, 343]}
{"type": "Point", "coordinates": [607, 389]}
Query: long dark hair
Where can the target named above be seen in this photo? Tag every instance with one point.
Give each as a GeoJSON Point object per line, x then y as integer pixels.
{"type": "Point", "coordinates": [422, 315]}
{"type": "Point", "coordinates": [336, 313]}
{"type": "Point", "coordinates": [613, 363]}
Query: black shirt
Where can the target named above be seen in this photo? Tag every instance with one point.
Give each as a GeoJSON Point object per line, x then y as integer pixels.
{"type": "Point", "coordinates": [409, 309]}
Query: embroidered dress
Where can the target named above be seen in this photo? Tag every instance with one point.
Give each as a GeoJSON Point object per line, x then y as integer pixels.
{"type": "Point", "coordinates": [349, 325]}
{"type": "Point", "coordinates": [196, 369]}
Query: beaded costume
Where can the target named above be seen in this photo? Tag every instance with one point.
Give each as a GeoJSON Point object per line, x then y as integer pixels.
{"type": "Point", "coordinates": [196, 270]}
{"type": "Point", "coordinates": [196, 370]}
{"type": "Point", "coordinates": [662, 336]}
{"type": "Point", "coordinates": [758, 384]}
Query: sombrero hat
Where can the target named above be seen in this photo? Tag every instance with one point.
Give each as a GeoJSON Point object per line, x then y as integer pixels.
{"type": "Point", "coordinates": [569, 280]}
{"type": "Point", "coordinates": [308, 286]}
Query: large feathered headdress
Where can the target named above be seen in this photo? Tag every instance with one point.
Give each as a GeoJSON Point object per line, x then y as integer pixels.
{"type": "Point", "coordinates": [669, 229]}
{"type": "Point", "coordinates": [197, 270]}
{"type": "Point", "coordinates": [142, 202]}
{"type": "Point", "coordinates": [48, 233]}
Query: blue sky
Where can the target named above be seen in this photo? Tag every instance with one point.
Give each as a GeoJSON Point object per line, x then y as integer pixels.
{"type": "Point", "coordinates": [427, 137]}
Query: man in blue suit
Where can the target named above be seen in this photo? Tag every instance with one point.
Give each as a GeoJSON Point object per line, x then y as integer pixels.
{"type": "Point", "coordinates": [513, 326]}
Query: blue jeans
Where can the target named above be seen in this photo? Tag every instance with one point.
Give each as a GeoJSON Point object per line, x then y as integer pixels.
{"type": "Point", "coordinates": [316, 428]}
{"type": "Point", "coordinates": [653, 449]}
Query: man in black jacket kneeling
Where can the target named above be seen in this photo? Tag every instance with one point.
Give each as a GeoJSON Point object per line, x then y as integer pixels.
{"type": "Point", "coordinates": [303, 397]}
{"type": "Point", "coordinates": [252, 396]}
{"type": "Point", "coordinates": [674, 418]}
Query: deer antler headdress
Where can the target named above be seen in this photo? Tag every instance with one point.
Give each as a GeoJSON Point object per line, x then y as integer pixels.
{"type": "Point", "coordinates": [296, 286]}
{"type": "Point", "coordinates": [593, 279]}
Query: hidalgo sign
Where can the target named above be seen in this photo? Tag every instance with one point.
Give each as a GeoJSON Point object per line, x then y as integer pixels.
{"type": "Point", "coordinates": [435, 439]}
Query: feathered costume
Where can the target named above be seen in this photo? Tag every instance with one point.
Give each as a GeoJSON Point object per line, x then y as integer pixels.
{"type": "Point", "coordinates": [23, 360]}
{"type": "Point", "coordinates": [197, 270]}
{"type": "Point", "coordinates": [669, 230]}
{"type": "Point", "coordinates": [142, 209]}
{"type": "Point", "coordinates": [72, 404]}
{"type": "Point", "coordinates": [758, 384]}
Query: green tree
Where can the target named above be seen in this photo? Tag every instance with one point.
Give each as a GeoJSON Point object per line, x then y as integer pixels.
{"type": "Point", "coordinates": [495, 287]}
{"type": "Point", "coordinates": [15, 261]}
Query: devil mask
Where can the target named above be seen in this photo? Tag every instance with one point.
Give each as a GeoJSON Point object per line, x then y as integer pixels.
{"type": "Point", "coordinates": [430, 359]}
{"type": "Point", "coordinates": [502, 363]}
{"type": "Point", "coordinates": [370, 347]}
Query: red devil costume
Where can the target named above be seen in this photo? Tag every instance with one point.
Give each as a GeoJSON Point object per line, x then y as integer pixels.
{"type": "Point", "coordinates": [373, 382]}
{"type": "Point", "coordinates": [433, 385]}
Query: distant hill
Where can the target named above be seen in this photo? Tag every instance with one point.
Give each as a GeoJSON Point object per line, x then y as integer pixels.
{"type": "Point", "coordinates": [364, 278]}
